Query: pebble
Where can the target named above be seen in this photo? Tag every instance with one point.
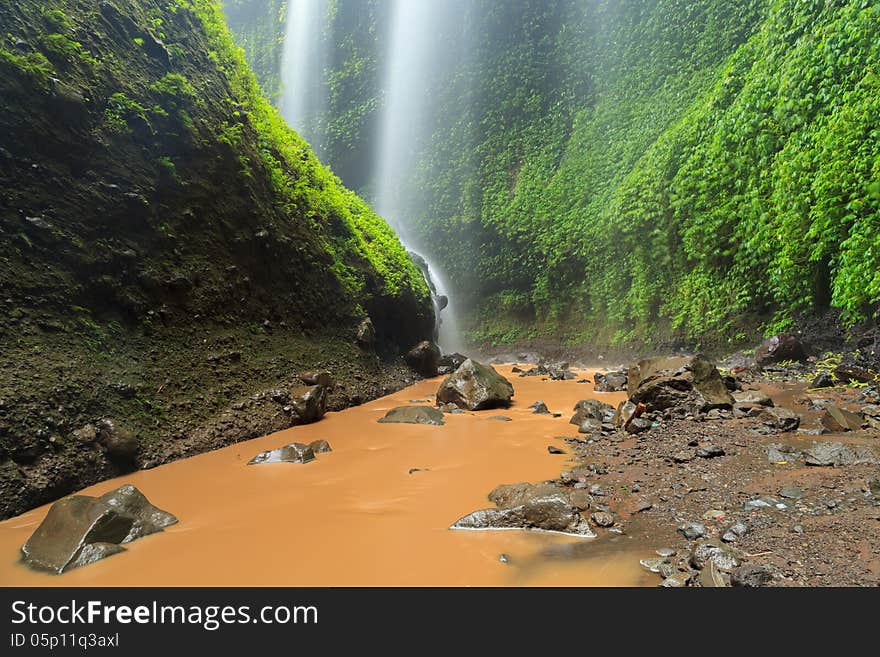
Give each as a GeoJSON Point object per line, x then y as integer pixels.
{"type": "Point", "coordinates": [710, 452]}
{"type": "Point", "coordinates": [666, 552]}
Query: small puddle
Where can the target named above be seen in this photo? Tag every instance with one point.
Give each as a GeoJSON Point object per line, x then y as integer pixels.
{"type": "Point", "coordinates": [357, 516]}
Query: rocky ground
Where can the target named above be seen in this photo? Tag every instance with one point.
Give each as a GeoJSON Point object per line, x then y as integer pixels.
{"type": "Point", "coordinates": [779, 488]}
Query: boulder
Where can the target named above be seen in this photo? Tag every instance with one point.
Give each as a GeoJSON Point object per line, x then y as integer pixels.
{"type": "Point", "coordinates": [823, 380]}
{"type": "Point", "coordinates": [413, 415]}
{"type": "Point", "coordinates": [778, 349]}
{"type": "Point", "coordinates": [292, 453]}
{"type": "Point", "coordinates": [552, 513]}
{"type": "Point", "coordinates": [119, 444]}
{"type": "Point", "coordinates": [475, 387]}
{"type": "Point", "coordinates": [449, 363]}
{"type": "Point", "coordinates": [592, 409]}
{"type": "Point", "coordinates": [625, 413]}
{"type": "Point", "coordinates": [81, 529]}
{"type": "Point", "coordinates": [610, 381]}
{"type": "Point", "coordinates": [540, 408]}
{"type": "Point", "coordinates": [838, 420]}
{"type": "Point", "coordinates": [309, 403]}
{"type": "Point", "coordinates": [424, 358]}
{"type": "Point", "coordinates": [689, 381]}
{"type": "Point", "coordinates": [838, 454]}
{"type": "Point", "coordinates": [146, 519]}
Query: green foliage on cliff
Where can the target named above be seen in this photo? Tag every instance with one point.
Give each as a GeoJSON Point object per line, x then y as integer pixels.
{"type": "Point", "coordinates": [617, 171]}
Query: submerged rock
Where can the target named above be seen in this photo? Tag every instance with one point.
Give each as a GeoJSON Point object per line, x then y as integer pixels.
{"type": "Point", "coordinates": [320, 446]}
{"type": "Point", "coordinates": [780, 348]}
{"type": "Point", "coordinates": [662, 383]}
{"type": "Point", "coordinates": [413, 415]}
{"type": "Point", "coordinates": [292, 453]}
{"type": "Point", "coordinates": [146, 519]}
{"type": "Point", "coordinates": [610, 381]}
{"type": "Point", "coordinates": [424, 358]}
{"type": "Point", "coordinates": [551, 513]}
{"type": "Point", "coordinates": [81, 529]}
{"type": "Point", "coordinates": [475, 387]}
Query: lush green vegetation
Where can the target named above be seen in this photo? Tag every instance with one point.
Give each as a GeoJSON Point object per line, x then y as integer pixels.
{"type": "Point", "coordinates": [618, 171]}
{"type": "Point", "coordinates": [305, 185]}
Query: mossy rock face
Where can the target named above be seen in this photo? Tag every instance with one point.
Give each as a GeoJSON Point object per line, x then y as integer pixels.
{"type": "Point", "coordinates": [154, 203]}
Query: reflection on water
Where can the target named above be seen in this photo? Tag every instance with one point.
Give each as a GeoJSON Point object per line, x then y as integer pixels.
{"type": "Point", "coordinates": [358, 516]}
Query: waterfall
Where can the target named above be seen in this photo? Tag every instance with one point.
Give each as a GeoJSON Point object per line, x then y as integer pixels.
{"type": "Point", "coordinates": [302, 67]}
{"type": "Point", "coordinates": [405, 126]}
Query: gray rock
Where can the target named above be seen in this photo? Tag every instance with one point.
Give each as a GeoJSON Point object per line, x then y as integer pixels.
{"type": "Point", "coordinates": [320, 446]}
{"type": "Point", "coordinates": [838, 454]}
{"type": "Point", "coordinates": [750, 575]}
{"type": "Point", "coordinates": [780, 418]}
{"type": "Point", "coordinates": [791, 493]}
{"type": "Point", "coordinates": [130, 503]}
{"type": "Point", "coordinates": [683, 457]}
{"type": "Point", "coordinates": [80, 529]}
{"type": "Point", "coordinates": [555, 450]}
{"type": "Point", "coordinates": [540, 408]}
{"type": "Point", "coordinates": [676, 581]}
{"type": "Point", "coordinates": [500, 418]}
{"type": "Point", "coordinates": [602, 519]}
{"type": "Point", "coordinates": [610, 382]}
{"type": "Point", "coordinates": [692, 530]}
{"type": "Point", "coordinates": [778, 453]}
{"type": "Point", "coordinates": [710, 452]}
{"type": "Point", "coordinates": [548, 514]}
{"type": "Point", "coordinates": [591, 409]}
{"type": "Point", "coordinates": [474, 387]}
{"type": "Point", "coordinates": [638, 425]}
{"type": "Point", "coordinates": [413, 415]}
{"type": "Point", "coordinates": [662, 383]}
{"type": "Point", "coordinates": [724, 558]}
{"type": "Point", "coordinates": [293, 453]}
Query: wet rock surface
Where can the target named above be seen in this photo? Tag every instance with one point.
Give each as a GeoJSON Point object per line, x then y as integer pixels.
{"type": "Point", "coordinates": [292, 453]}
{"type": "Point", "coordinates": [475, 387]}
{"type": "Point", "coordinates": [80, 529]}
{"type": "Point", "coordinates": [691, 381]}
{"type": "Point", "coordinates": [424, 358]}
{"type": "Point", "coordinates": [413, 415]}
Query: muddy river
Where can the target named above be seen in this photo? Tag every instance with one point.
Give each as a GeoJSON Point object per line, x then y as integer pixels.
{"type": "Point", "coordinates": [357, 516]}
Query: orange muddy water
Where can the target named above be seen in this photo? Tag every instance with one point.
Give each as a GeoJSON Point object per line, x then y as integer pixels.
{"type": "Point", "coordinates": [356, 516]}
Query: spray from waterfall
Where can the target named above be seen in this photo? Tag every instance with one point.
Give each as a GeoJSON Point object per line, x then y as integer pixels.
{"type": "Point", "coordinates": [303, 58]}
{"type": "Point", "coordinates": [405, 127]}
